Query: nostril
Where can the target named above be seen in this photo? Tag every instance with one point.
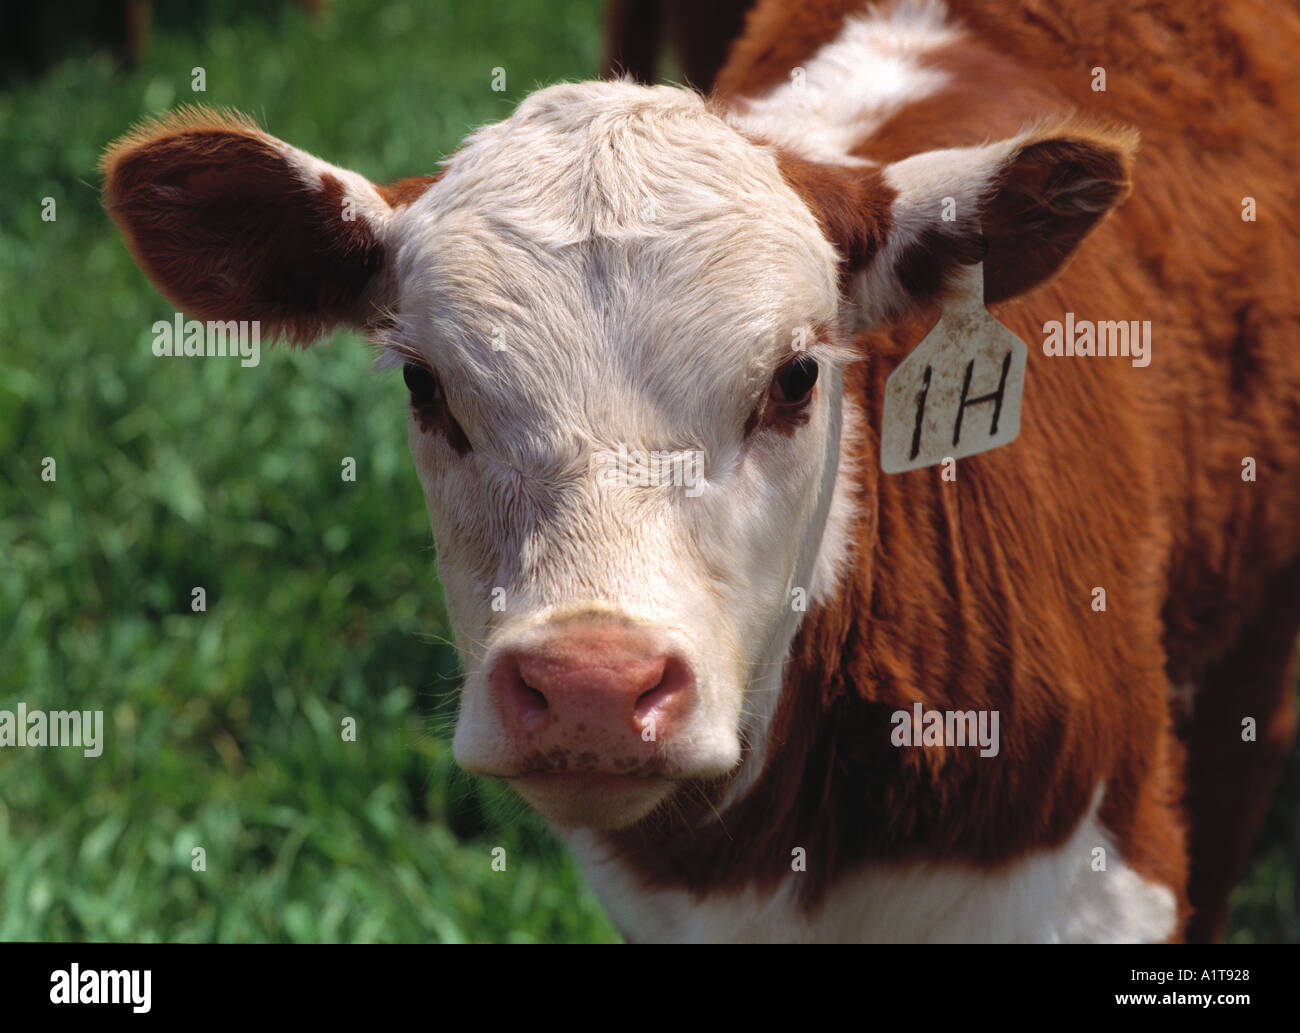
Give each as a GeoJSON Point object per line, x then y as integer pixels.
{"type": "Point", "coordinates": [675, 678]}
{"type": "Point", "coordinates": [650, 699]}
{"type": "Point", "coordinates": [526, 707]}
{"type": "Point", "coordinates": [534, 697]}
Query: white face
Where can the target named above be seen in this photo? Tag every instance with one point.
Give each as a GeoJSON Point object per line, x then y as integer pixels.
{"type": "Point", "coordinates": [614, 272]}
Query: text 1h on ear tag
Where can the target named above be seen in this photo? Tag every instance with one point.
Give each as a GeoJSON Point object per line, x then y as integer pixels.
{"type": "Point", "coordinates": [958, 392]}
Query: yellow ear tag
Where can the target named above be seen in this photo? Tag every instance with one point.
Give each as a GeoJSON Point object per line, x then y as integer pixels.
{"type": "Point", "coordinates": [958, 393]}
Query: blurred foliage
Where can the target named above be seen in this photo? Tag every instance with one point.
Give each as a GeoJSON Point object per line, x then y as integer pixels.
{"type": "Point", "coordinates": [223, 728]}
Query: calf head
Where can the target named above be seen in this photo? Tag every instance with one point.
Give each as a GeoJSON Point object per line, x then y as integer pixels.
{"type": "Point", "coordinates": [621, 321]}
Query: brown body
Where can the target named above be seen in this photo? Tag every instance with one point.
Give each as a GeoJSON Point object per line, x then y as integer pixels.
{"type": "Point", "coordinates": [979, 592]}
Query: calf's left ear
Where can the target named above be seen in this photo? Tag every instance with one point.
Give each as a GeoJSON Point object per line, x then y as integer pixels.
{"type": "Point", "coordinates": [232, 224]}
{"type": "Point", "coordinates": [1022, 206]}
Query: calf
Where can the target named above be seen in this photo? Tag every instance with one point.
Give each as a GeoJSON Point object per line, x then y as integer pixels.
{"type": "Point", "coordinates": [647, 337]}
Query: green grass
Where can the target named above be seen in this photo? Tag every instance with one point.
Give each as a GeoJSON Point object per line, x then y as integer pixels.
{"type": "Point", "coordinates": [223, 728]}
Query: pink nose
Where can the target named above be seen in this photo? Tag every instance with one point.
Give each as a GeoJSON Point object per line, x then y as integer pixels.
{"type": "Point", "coordinates": [593, 696]}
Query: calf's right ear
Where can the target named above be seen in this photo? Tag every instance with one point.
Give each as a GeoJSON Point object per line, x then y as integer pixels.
{"type": "Point", "coordinates": [231, 223]}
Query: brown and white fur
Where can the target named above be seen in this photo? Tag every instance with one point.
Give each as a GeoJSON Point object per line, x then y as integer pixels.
{"type": "Point", "coordinates": [626, 267]}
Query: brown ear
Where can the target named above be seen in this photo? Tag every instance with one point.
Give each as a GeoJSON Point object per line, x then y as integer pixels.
{"type": "Point", "coordinates": [1022, 206]}
{"type": "Point", "coordinates": [231, 223]}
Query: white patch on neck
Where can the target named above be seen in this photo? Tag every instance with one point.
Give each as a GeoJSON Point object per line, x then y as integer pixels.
{"type": "Point", "coordinates": [1051, 896]}
{"type": "Point", "coordinates": [854, 84]}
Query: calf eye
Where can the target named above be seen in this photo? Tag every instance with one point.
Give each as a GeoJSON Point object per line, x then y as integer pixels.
{"type": "Point", "coordinates": [794, 381]}
{"type": "Point", "coordinates": [423, 385]}
{"type": "Point", "coordinates": [430, 406]}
